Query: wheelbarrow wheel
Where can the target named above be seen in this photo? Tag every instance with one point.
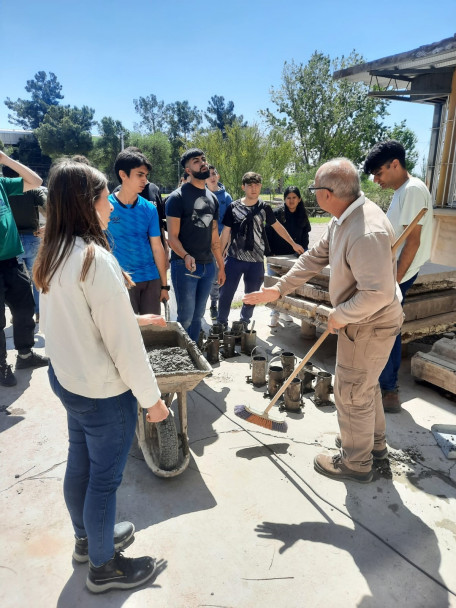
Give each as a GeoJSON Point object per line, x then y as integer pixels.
{"type": "Point", "coordinates": [164, 444]}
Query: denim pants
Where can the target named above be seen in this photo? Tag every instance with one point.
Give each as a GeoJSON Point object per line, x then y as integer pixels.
{"type": "Point", "coordinates": [100, 433]}
{"type": "Point", "coordinates": [15, 292]}
{"type": "Point", "coordinates": [389, 376]}
{"type": "Point", "coordinates": [192, 291]}
{"type": "Point", "coordinates": [253, 273]}
{"type": "Point", "coordinates": [31, 244]}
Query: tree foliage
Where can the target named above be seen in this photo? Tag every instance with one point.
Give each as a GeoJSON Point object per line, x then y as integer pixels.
{"type": "Point", "coordinates": [245, 149]}
{"type": "Point", "coordinates": [157, 148]}
{"type": "Point", "coordinates": [107, 146]}
{"type": "Point", "coordinates": [326, 118]}
{"type": "Point", "coordinates": [66, 130]}
{"type": "Point", "coordinates": [45, 92]}
{"type": "Point", "coordinates": [220, 115]}
{"type": "Point", "coordinates": [400, 132]}
{"type": "Point", "coordinates": [152, 112]}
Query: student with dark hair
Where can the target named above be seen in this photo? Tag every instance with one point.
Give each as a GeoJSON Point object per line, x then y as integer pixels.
{"type": "Point", "coordinates": [98, 368]}
{"type": "Point", "coordinates": [215, 185]}
{"type": "Point", "coordinates": [244, 235]}
{"type": "Point", "coordinates": [15, 285]}
{"type": "Point", "coordinates": [134, 231]}
{"type": "Point", "coordinates": [192, 218]}
{"type": "Point", "coordinates": [292, 215]}
{"type": "Point", "coordinates": [386, 162]}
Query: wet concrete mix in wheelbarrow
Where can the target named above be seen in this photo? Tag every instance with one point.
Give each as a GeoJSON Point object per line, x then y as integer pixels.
{"type": "Point", "coordinates": [170, 359]}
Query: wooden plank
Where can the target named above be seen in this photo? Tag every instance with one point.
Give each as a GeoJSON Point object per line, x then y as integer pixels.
{"type": "Point", "coordinates": [433, 372]}
{"type": "Point", "coordinates": [431, 304]}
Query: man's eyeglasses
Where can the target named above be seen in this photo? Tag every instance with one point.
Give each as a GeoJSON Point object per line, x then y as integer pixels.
{"type": "Point", "coordinates": [312, 188]}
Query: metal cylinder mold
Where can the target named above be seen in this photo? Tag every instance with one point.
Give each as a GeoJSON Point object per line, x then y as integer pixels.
{"type": "Point", "coordinates": [229, 341]}
{"type": "Point", "coordinates": [288, 362]}
{"type": "Point", "coordinates": [218, 329]}
{"type": "Point", "coordinates": [307, 375]}
{"type": "Point", "coordinates": [248, 341]}
{"type": "Point", "coordinates": [322, 386]}
{"type": "Point", "coordinates": [237, 328]}
{"type": "Point", "coordinates": [292, 395]}
{"type": "Point", "coordinates": [213, 348]}
{"type": "Point", "coordinates": [275, 376]}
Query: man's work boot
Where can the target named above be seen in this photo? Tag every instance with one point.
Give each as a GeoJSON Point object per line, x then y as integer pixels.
{"type": "Point", "coordinates": [124, 536]}
{"type": "Point", "coordinates": [31, 359]}
{"type": "Point", "coordinates": [120, 573]}
{"type": "Point", "coordinates": [334, 468]}
{"type": "Point", "coordinates": [7, 378]}
{"type": "Point", "coordinates": [376, 454]}
{"type": "Point", "coordinates": [391, 403]}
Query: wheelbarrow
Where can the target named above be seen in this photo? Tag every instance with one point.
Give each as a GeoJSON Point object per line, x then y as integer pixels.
{"type": "Point", "coordinates": [165, 449]}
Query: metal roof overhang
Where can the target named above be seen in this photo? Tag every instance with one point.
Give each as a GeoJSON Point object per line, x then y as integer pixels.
{"type": "Point", "coordinates": [423, 75]}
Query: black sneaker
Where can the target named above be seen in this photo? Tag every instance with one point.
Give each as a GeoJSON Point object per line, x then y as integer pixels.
{"type": "Point", "coordinates": [7, 378]}
{"type": "Point", "coordinates": [123, 538]}
{"type": "Point", "coordinates": [34, 360]}
{"type": "Point", "coordinates": [213, 312]}
{"type": "Point", "coordinates": [120, 573]}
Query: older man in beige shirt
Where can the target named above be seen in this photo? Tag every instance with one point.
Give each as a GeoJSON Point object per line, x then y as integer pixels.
{"type": "Point", "coordinates": [367, 314]}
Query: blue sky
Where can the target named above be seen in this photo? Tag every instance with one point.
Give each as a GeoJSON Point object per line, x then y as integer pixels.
{"type": "Point", "coordinates": [105, 54]}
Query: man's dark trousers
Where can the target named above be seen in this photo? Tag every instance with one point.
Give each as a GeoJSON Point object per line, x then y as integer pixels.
{"type": "Point", "coordinates": [16, 293]}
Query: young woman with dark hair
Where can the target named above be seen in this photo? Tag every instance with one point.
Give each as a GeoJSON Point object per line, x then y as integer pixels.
{"type": "Point", "coordinates": [98, 368]}
{"type": "Point", "coordinates": [292, 214]}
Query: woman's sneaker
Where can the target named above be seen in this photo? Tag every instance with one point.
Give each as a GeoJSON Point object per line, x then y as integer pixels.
{"type": "Point", "coordinates": [120, 573]}
{"type": "Point", "coordinates": [7, 378]}
{"type": "Point", "coordinates": [124, 536]}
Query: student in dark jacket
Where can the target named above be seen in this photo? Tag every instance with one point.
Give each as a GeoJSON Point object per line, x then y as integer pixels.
{"type": "Point", "coordinates": [292, 215]}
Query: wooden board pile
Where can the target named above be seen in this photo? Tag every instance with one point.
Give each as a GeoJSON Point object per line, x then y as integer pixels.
{"type": "Point", "coordinates": [430, 307]}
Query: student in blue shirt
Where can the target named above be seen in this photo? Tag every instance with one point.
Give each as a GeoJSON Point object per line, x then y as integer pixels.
{"type": "Point", "coordinates": [134, 234]}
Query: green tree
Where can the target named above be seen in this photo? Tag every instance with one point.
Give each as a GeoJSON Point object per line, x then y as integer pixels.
{"type": "Point", "coordinates": [325, 117]}
{"type": "Point", "coordinates": [45, 92]}
{"type": "Point", "coordinates": [107, 146]}
{"type": "Point", "coordinates": [157, 148]}
{"type": "Point", "coordinates": [66, 130]}
{"type": "Point", "coordinates": [182, 120]}
{"type": "Point", "coordinates": [29, 153]}
{"type": "Point", "coordinates": [152, 112]}
{"type": "Point", "coordinates": [245, 149]}
{"type": "Point", "coordinates": [400, 132]}
{"type": "Point", "coordinates": [220, 115]}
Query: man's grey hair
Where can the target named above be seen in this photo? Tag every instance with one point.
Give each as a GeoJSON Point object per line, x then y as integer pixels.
{"type": "Point", "coordinates": [341, 175]}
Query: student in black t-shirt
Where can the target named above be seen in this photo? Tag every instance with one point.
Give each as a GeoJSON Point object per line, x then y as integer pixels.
{"type": "Point", "coordinates": [244, 232]}
{"type": "Point", "coordinates": [192, 220]}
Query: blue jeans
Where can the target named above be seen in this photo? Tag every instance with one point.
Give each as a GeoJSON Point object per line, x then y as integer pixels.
{"type": "Point", "coordinates": [192, 291]}
{"type": "Point", "coordinates": [100, 433]}
{"type": "Point", "coordinates": [31, 244]}
{"type": "Point", "coordinates": [388, 377]}
{"type": "Point", "coordinates": [253, 273]}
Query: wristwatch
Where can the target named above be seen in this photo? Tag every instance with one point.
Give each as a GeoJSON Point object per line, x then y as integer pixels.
{"type": "Point", "coordinates": [166, 287]}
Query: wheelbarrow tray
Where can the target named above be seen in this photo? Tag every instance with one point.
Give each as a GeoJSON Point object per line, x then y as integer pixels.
{"type": "Point", "coordinates": [165, 450]}
{"type": "Point", "coordinates": [175, 335]}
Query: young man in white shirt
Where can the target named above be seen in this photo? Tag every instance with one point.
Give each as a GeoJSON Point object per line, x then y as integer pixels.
{"type": "Point", "coordinates": [386, 162]}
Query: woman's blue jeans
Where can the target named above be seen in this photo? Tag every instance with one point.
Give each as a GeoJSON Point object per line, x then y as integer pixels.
{"type": "Point", "coordinates": [389, 376]}
{"type": "Point", "coordinates": [192, 291]}
{"type": "Point", "coordinates": [100, 433]}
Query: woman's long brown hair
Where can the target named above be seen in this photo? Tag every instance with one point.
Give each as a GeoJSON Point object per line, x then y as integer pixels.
{"type": "Point", "coordinates": [73, 189]}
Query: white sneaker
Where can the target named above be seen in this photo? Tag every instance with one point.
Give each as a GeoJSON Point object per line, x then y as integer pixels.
{"type": "Point", "coordinates": [274, 320]}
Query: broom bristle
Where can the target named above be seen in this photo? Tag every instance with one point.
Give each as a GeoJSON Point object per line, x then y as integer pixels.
{"type": "Point", "coordinates": [242, 412]}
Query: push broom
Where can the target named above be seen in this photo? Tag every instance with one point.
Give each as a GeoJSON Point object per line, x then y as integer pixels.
{"type": "Point", "coordinates": [273, 422]}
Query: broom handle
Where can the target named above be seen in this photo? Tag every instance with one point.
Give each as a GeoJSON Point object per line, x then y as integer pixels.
{"type": "Point", "coordinates": [296, 371]}
{"type": "Point", "coordinates": [397, 243]}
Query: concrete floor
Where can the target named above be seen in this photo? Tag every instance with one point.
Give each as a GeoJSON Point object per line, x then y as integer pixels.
{"type": "Point", "coordinates": [249, 523]}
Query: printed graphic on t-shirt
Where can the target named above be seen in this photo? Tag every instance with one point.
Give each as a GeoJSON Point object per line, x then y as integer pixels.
{"type": "Point", "coordinates": [200, 216]}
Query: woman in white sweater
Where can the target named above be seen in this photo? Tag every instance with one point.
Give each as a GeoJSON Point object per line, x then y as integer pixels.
{"type": "Point", "coordinates": [98, 368]}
